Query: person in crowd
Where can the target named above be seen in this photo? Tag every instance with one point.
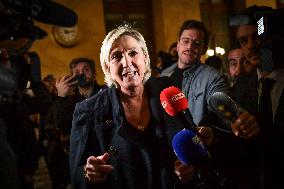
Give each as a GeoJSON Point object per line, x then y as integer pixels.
{"type": "Point", "coordinates": [215, 61]}
{"type": "Point", "coordinates": [27, 98]}
{"type": "Point", "coordinates": [49, 138]}
{"type": "Point", "coordinates": [70, 90]}
{"type": "Point", "coordinates": [49, 83]}
{"type": "Point", "coordinates": [121, 137]}
{"type": "Point", "coordinates": [166, 59]}
{"type": "Point", "coordinates": [261, 93]}
{"type": "Point", "coordinates": [237, 63]}
{"type": "Point", "coordinates": [73, 89]}
{"type": "Point", "coordinates": [8, 159]}
{"type": "Point", "coordinates": [173, 50]}
{"type": "Point", "coordinates": [199, 81]}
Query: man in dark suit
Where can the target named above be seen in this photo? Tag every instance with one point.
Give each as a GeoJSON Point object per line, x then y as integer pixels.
{"type": "Point", "coordinates": [261, 93]}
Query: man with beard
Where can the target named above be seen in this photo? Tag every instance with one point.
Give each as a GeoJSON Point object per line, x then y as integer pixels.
{"type": "Point", "coordinates": [70, 90]}
{"type": "Point", "coordinates": [237, 63]}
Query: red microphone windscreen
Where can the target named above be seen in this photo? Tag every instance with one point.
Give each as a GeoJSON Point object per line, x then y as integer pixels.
{"type": "Point", "coordinates": [173, 100]}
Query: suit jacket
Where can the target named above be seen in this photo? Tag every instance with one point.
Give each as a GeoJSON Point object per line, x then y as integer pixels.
{"type": "Point", "coordinates": [271, 137]}
{"type": "Point", "coordinates": [246, 95]}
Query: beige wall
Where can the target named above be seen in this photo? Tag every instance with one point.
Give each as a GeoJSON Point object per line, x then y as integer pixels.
{"type": "Point", "coordinates": [269, 3]}
{"type": "Point", "coordinates": [55, 59]}
{"type": "Point", "coordinates": [168, 17]}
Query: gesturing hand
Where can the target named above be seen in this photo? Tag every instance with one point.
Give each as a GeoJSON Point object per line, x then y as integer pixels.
{"type": "Point", "coordinates": [96, 169]}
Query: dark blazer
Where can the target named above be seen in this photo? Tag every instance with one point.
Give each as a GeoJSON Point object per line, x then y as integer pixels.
{"type": "Point", "coordinates": [99, 125]}
{"type": "Point", "coordinates": [246, 95]}
{"type": "Point", "coordinates": [271, 137]}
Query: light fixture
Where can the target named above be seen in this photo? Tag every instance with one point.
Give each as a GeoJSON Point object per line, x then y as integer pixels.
{"type": "Point", "coordinates": [218, 50]}
{"type": "Point", "coordinates": [210, 52]}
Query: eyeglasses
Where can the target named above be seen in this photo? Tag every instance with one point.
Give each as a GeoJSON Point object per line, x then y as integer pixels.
{"type": "Point", "coordinates": [193, 43]}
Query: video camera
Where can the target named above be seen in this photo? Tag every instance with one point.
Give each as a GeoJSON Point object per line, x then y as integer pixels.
{"type": "Point", "coordinates": [270, 32]}
{"type": "Point", "coordinates": [17, 25]}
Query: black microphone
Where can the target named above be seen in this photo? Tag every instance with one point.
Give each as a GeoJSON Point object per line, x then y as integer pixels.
{"type": "Point", "coordinates": [46, 11]}
{"type": "Point", "coordinates": [56, 14]}
{"type": "Point", "coordinates": [175, 103]}
{"type": "Point", "coordinates": [225, 107]}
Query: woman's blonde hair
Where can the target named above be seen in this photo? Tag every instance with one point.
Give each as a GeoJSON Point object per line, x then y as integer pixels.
{"type": "Point", "coordinates": [111, 37]}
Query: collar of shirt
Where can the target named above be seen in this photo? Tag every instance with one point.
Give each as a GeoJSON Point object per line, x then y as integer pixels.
{"type": "Point", "coordinates": [277, 75]}
{"type": "Point", "coordinates": [276, 91]}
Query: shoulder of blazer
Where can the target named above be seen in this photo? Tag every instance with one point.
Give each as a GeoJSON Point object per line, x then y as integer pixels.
{"type": "Point", "coordinates": [99, 100]}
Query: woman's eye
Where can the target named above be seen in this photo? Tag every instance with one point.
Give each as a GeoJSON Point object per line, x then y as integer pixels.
{"type": "Point", "coordinates": [132, 53]}
{"type": "Point", "coordinates": [116, 55]}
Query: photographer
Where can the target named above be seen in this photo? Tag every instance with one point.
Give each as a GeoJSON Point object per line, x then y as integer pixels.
{"type": "Point", "coordinates": [261, 91]}
{"type": "Point", "coordinates": [8, 166]}
{"type": "Point", "coordinates": [72, 89]}
{"type": "Point", "coordinates": [17, 108]}
{"type": "Point", "coordinates": [21, 90]}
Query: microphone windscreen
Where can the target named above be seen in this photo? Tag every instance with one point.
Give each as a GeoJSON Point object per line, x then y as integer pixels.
{"type": "Point", "coordinates": [188, 147]}
{"type": "Point", "coordinates": [224, 106]}
{"type": "Point", "coordinates": [56, 14]}
{"type": "Point", "coordinates": [173, 100]}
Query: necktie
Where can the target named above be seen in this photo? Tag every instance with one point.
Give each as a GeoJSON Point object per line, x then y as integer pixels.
{"type": "Point", "coordinates": [265, 106]}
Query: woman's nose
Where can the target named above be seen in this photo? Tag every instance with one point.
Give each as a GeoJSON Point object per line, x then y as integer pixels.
{"type": "Point", "coordinates": [126, 61]}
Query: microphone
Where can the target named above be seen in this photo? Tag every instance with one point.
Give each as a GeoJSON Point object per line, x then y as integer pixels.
{"type": "Point", "coordinates": [175, 104]}
{"type": "Point", "coordinates": [189, 148]}
{"type": "Point", "coordinates": [46, 11]}
{"type": "Point", "coordinates": [56, 14]}
{"type": "Point", "coordinates": [225, 107]}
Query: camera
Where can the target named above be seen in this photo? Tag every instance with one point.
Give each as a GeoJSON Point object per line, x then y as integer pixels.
{"type": "Point", "coordinates": [270, 32]}
{"type": "Point", "coordinates": [81, 80]}
{"type": "Point", "coordinates": [17, 27]}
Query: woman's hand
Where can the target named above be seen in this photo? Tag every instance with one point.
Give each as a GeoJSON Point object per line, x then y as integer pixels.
{"type": "Point", "coordinates": [184, 172]}
{"type": "Point", "coordinates": [96, 169]}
